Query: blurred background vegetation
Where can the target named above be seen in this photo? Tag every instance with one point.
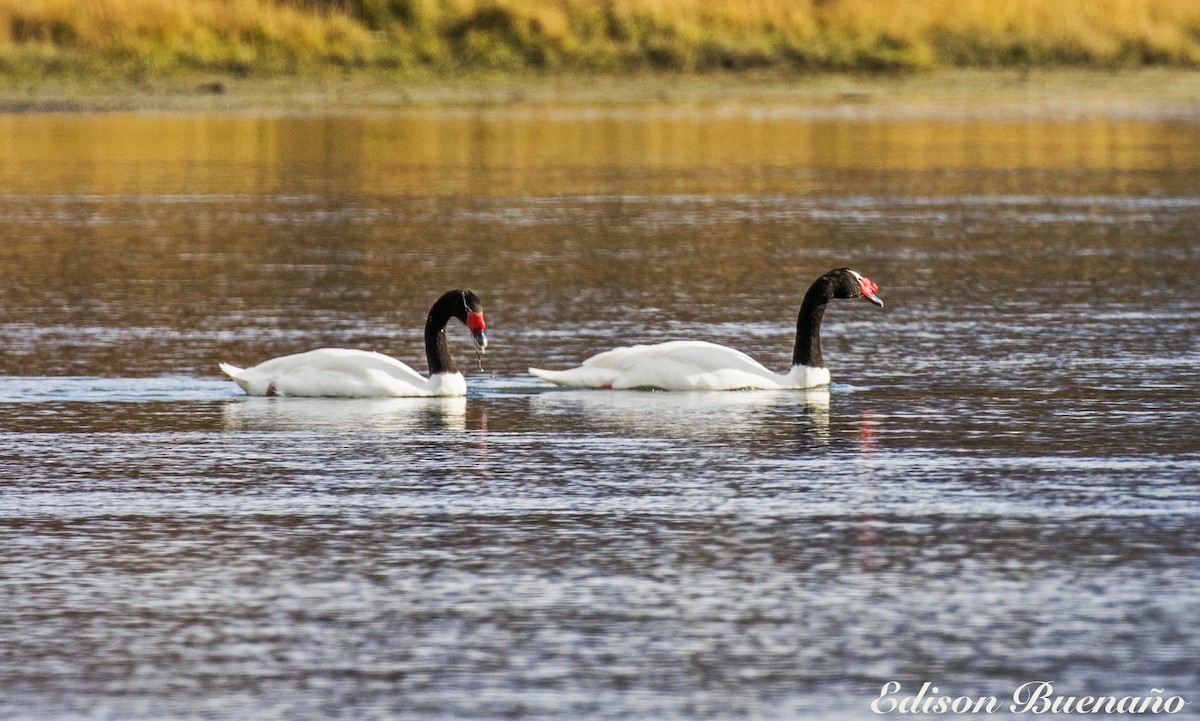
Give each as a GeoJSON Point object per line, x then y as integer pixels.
{"type": "Point", "coordinates": [158, 38]}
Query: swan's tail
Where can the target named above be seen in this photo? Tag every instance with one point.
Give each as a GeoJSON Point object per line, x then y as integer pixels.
{"type": "Point", "coordinates": [544, 375]}
{"type": "Point", "coordinates": [235, 373]}
{"type": "Point", "coordinates": [581, 377]}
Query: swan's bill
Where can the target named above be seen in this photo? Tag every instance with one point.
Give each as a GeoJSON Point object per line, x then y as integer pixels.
{"type": "Point", "coordinates": [477, 327]}
{"type": "Point", "coordinates": [869, 289]}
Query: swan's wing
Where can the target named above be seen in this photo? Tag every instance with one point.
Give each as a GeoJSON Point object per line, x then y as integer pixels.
{"type": "Point", "coordinates": [676, 365]}
{"type": "Point", "coordinates": [332, 372]}
{"type": "Point", "coordinates": [695, 355]}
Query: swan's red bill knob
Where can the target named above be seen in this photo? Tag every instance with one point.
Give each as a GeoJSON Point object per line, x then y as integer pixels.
{"type": "Point", "coordinates": [869, 289]}
{"type": "Point", "coordinates": [476, 325]}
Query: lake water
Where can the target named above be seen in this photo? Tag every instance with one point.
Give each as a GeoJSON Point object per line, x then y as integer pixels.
{"type": "Point", "coordinates": [1001, 486]}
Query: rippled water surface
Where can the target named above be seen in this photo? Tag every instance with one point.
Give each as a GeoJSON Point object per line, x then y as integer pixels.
{"type": "Point", "coordinates": [1001, 486]}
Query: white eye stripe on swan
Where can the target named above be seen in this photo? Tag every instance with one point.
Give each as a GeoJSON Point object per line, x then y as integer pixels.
{"type": "Point", "coordinates": [856, 274]}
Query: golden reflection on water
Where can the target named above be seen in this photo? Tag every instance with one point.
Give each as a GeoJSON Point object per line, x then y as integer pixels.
{"type": "Point", "coordinates": [139, 244]}
{"type": "Point", "coordinates": [547, 151]}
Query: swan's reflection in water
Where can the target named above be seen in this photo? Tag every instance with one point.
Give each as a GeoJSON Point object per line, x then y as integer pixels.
{"type": "Point", "coordinates": [712, 414]}
{"type": "Point", "coordinates": [395, 415]}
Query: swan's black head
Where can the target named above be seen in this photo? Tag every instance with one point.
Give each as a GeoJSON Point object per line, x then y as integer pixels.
{"type": "Point", "coordinates": [846, 283]}
{"type": "Point", "coordinates": [461, 304]}
{"type": "Point", "coordinates": [469, 310]}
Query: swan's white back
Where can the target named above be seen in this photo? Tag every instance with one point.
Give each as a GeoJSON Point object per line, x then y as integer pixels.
{"type": "Point", "coordinates": [341, 372]}
{"type": "Point", "coordinates": [681, 366]}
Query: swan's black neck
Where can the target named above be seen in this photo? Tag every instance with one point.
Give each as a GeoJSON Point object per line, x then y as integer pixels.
{"type": "Point", "coordinates": [437, 353]}
{"type": "Point", "coordinates": [808, 325]}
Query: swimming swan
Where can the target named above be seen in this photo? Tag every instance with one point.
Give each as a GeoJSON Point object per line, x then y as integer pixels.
{"type": "Point", "coordinates": [699, 365]}
{"type": "Point", "coordinates": [341, 372]}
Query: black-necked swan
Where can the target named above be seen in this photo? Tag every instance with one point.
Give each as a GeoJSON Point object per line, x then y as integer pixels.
{"type": "Point", "coordinates": [699, 365]}
{"type": "Point", "coordinates": [341, 372]}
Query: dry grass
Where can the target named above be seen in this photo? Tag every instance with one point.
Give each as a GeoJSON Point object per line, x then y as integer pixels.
{"type": "Point", "coordinates": [265, 37]}
{"type": "Point", "coordinates": [148, 36]}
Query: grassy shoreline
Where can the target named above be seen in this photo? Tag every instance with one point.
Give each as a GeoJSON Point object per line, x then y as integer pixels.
{"type": "Point", "coordinates": [1041, 57]}
{"type": "Point", "coordinates": [1156, 93]}
{"type": "Point", "coordinates": [149, 40]}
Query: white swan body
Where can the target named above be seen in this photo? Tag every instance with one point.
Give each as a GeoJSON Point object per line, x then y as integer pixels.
{"type": "Point", "coordinates": [681, 365]}
{"type": "Point", "coordinates": [702, 366]}
{"type": "Point", "coordinates": [342, 373]}
{"type": "Point", "coordinates": [345, 373]}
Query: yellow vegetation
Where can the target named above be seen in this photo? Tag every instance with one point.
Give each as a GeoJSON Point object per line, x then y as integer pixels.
{"type": "Point", "coordinates": [266, 37]}
{"type": "Point", "coordinates": [161, 35]}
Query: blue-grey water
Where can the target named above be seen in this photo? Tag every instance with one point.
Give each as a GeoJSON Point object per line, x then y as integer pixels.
{"type": "Point", "coordinates": [1001, 486]}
